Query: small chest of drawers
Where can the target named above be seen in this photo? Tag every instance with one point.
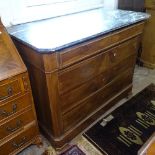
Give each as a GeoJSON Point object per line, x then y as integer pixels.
{"type": "Point", "coordinates": [18, 123]}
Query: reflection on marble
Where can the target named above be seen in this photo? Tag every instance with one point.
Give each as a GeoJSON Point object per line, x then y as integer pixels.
{"type": "Point", "coordinates": [142, 78]}
{"type": "Point", "coordinates": [61, 32]}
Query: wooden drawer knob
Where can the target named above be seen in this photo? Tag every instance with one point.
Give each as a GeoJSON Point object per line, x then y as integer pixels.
{"type": "Point", "coordinates": [115, 54]}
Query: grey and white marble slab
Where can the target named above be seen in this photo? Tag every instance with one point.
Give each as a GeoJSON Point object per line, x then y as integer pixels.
{"type": "Point", "coordinates": [58, 33]}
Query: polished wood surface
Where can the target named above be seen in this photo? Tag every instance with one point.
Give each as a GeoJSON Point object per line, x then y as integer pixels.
{"type": "Point", "coordinates": [75, 86]}
{"type": "Point", "coordinates": [10, 62]}
{"type": "Point", "coordinates": [18, 122]}
{"type": "Point", "coordinates": [151, 149]}
{"type": "Point", "coordinates": [148, 46]}
{"type": "Point", "coordinates": [15, 106]}
{"type": "Point", "coordinates": [20, 141]}
{"type": "Point", "coordinates": [76, 96]}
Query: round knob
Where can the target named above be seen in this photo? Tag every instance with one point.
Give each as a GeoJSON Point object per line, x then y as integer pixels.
{"type": "Point", "coordinates": [114, 54]}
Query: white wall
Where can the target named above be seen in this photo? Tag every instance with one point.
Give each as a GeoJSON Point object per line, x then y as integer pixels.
{"type": "Point", "coordinates": [12, 11]}
{"type": "Point", "coordinates": [5, 11]}
{"type": "Point", "coordinates": [111, 4]}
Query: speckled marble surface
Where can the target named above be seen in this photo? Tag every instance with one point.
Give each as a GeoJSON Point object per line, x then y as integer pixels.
{"type": "Point", "coordinates": [58, 33]}
{"type": "Point", "coordinates": [142, 78]}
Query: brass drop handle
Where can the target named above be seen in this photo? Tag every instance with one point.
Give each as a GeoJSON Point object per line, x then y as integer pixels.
{"type": "Point", "coordinates": [9, 93]}
{"type": "Point", "coordinates": [18, 125]}
{"type": "Point", "coordinates": [4, 113]}
{"type": "Point", "coordinates": [22, 142]}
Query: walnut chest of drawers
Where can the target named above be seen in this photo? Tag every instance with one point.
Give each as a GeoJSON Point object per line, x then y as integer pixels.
{"type": "Point", "coordinates": [76, 84]}
{"type": "Point", "coordinates": [18, 124]}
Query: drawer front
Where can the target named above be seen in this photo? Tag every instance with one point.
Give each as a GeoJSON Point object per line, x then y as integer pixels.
{"type": "Point", "coordinates": [78, 74]}
{"type": "Point", "coordinates": [77, 114]}
{"type": "Point", "coordinates": [75, 97]}
{"type": "Point", "coordinates": [9, 89]}
{"type": "Point", "coordinates": [10, 108]}
{"type": "Point", "coordinates": [72, 98]}
{"type": "Point", "coordinates": [19, 141]}
{"type": "Point", "coordinates": [83, 51]}
{"type": "Point", "coordinates": [127, 33]}
{"type": "Point", "coordinates": [16, 124]}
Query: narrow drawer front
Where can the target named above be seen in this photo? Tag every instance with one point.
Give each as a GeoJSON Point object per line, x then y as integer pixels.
{"type": "Point", "coordinates": [77, 53]}
{"type": "Point", "coordinates": [10, 108]}
{"type": "Point", "coordinates": [92, 103]}
{"type": "Point", "coordinates": [123, 51]}
{"type": "Point", "coordinates": [9, 89]}
{"type": "Point", "coordinates": [78, 74]}
{"type": "Point", "coordinates": [75, 97]}
{"type": "Point", "coordinates": [19, 141]}
{"type": "Point", "coordinates": [150, 4]}
{"type": "Point", "coordinates": [127, 33]}
{"type": "Point", "coordinates": [16, 124]}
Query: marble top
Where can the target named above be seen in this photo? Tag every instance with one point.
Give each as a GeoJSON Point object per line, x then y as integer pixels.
{"type": "Point", "coordinates": [55, 34]}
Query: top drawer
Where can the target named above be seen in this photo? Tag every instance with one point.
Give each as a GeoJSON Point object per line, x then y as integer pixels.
{"type": "Point", "coordinates": [150, 4]}
{"type": "Point", "coordinates": [9, 89]}
{"type": "Point", "coordinates": [82, 51]}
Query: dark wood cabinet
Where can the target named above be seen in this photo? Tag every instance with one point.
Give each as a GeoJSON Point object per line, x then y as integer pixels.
{"type": "Point", "coordinates": [76, 85]}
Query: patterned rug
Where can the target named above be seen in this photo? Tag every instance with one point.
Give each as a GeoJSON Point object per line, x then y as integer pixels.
{"type": "Point", "coordinates": [73, 150]}
{"type": "Point", "coordinates": [128, 127]}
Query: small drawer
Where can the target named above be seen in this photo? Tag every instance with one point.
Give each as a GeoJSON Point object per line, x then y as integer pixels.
{"type": "Point", "coordinates": [77, 114]}
{"type": "Point", "coordinates": [9, 89]}
{"type": "Point", "coordinates": [80, 73]}
{"type": "Point", "coordinates": [127, 33]}
{"type": "Point", "coordinates": [10, 108]}
{"type": "Point", "coordinates": [19, 141]}
{"type": "Point", "coordinates": [16, 124]}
